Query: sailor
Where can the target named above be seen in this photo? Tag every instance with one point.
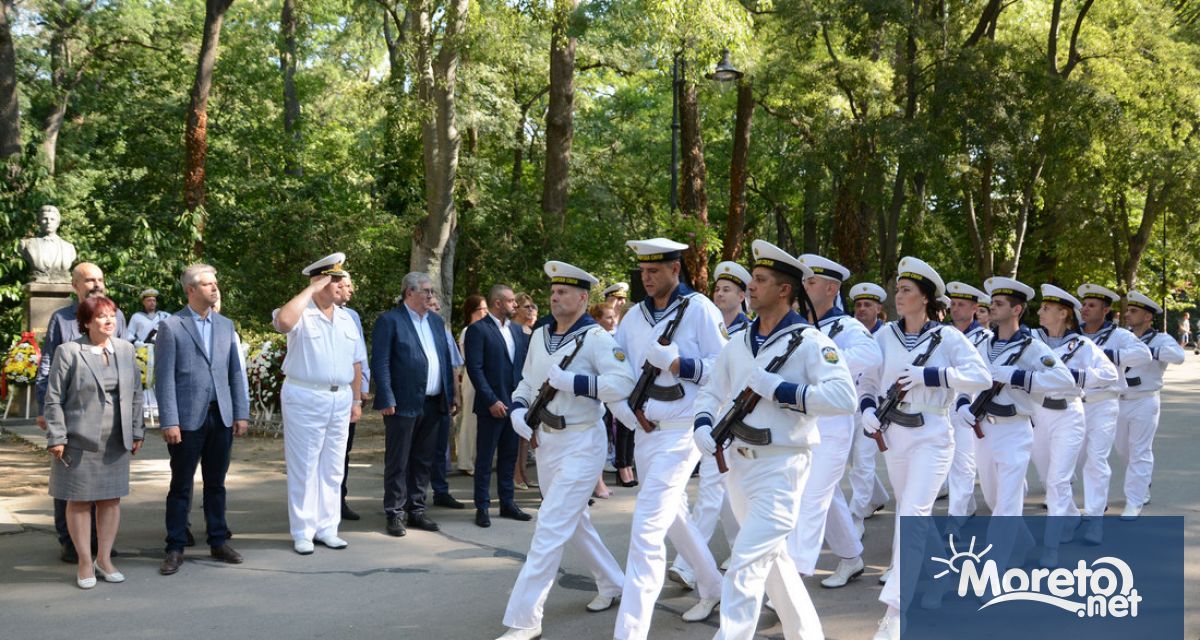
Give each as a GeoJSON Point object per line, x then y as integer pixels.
{"type": "Point", "coordinates": [1101, 408]}
{"type": "Point", "coordinates": [798, 374]}
{"type": "Point", "coordinates": [1137, 421]}
{"type": "Point", "coordinates": [818, 521]}
{"type": "Point", "coordinates": [919, 440]}
{"type": "Point", "coordinates": [144, 323]}
{"type": "Point", "coordinates": [983, 314]}
{"type": "Point", "coordinates": [664, 450]}
{"type": "Point", "coordinates": [1058, 422]}
{"type": "Point", "coordinates": [615, 296]}
{"type": "Point", "coordinates": [868, 493]}
{"type": "Point", "coordinates": [712, 504]}
{"type": "Point", "coordinates": [964, 304]}
{"type": "Point", "coordinates": [571, 444]}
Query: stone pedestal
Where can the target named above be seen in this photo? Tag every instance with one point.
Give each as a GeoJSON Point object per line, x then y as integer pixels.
{"type": "Point", "coordinates": [41, 301]}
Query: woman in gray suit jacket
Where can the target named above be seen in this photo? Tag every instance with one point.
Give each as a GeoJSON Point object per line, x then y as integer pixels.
{"type": "Point", "coordinates": [94, 422]}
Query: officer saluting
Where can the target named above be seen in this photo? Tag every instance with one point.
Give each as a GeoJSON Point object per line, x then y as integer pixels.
{"type": "Point", "coordinates": [964, 304]}
{"type": "Point", "coordinates": [771, 451]}
{"type": "Point", "coordinates": [664, 451]}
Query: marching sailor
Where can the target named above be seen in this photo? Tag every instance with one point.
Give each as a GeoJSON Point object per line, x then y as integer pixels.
{"type": "Point", "coordinates": [817, 520]}
{"type": "Point", "coordinates": [1137, 421]}
{"type": "Point", "coordinates": [712, 503]}
{"type": "Point", "coordinates": [919, 440]}
{"type": "Point", "coordinates": [964, 304]}
{"type": "Point", "coordinates": [769, 456]}
{"type": "Point", "coordinates": [664, 450]}
{"type": "Point", "coordinates": [1101, 408]}
{"type": "Point", "coordinates": [868, 493]}
{"type": "Point", "coordinates": [983, 313]}
{"type": "Point", "coordinates": [571, 444]}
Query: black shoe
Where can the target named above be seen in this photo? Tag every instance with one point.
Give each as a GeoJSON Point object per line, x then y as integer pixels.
{"type": "Point", "coordinates": [447, 500]}
{"type": "Point", "coordinates": [191, 541]}
{"type": "Point", "coordinates": [482, 519]}
{"type": "Point", "coordinates": [631, 483]}
{"type": "Point", "coordinates": [68, 553]}
{"type": "Point", "coordinates": [513, 512]}
{"type": "Point", "coordinates": [395, 526]}
{"type": "Point", "coordinates": [348, 513]}
{"type": "Point", "coordinates": [422, 522]}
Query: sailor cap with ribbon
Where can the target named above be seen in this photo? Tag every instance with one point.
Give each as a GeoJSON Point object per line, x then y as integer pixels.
{"type": "Point", "coordinates": [918, 270]}
{"type": "Point", "coordinates": [657, 249]}
{"type": "Point", "coordinates": [985, 302]}
{"type": "Point", "coordinates": [330, 265]}
{"type": "Point", "coordinates": [1089, 290]}
{"type": "Point", "coordinates": [1141, 301]}
{"type": "Point", "coordinates": [772, 257]}
{"type": "Point", "coordinates": [944, 301]}
{"type": "Point", "coordinates": [1001, 286]}
{"type": "Point", "coordinates": [734, 273]}
{"type": "Point", "coordinates": [620, 290]}
{"type": "Point", "coordinates": [867, 291]}
{"type": "Point", "coordinates": [149, 293]}
{"type": "Point", "coordinates": [1051, 293]}
{"type": "Point", "coordinates": [824, 267]}
{"type": "Point", "coordinates": [563, 273]}
{"type": "Point", "coordinates": [963, 291]}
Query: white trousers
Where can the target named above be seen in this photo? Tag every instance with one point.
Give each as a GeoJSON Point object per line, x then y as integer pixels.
{"type": "Point", "coordinates": [1057, 442]}
{"type": "Point", "coordinates": [766, 493]}
{"type": "Point", "coordinates": [1100, 420]}
{"type": "Point", "coordinates": [840, 535]}
{"type": "Point", "coordinates": [961, 481]}
{"type": "Point", "coordinates": [568, 464]}
{"type": "Point", "coordinates": [867, 489]}
{"type": "Point", "coordinates": [1137, 423]}
{"type": "Point", "coordinates": [918, 461]}
{"type": "Point", "coordinates": [1002, 457]}
{"type": "Point", "coordinates": [828, 465]}
{"type": "Point", "coordinates": [315, 427]}
{"type": "Point", "coordinates": [712, 506]}
{"type": "Point", "coordinates": [665, 459]}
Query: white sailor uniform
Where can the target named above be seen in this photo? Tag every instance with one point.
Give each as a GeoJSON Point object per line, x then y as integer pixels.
{"type": "Point", "coordinates": [142, 323]}
{"type": "Point", "coordinates": [961, 480]}
{"type": "Point", "coordinates": [1137, 421]}
{"type": "Point", "coordinates": [867, 491]}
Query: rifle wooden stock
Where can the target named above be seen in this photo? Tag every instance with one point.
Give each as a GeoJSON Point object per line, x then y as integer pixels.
{"type": "Point", "coordinates": [641, 390]}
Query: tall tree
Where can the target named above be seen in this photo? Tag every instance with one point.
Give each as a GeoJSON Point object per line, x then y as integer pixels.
{"type": "Point", "coordinates": [693, 198]}
{"type": "Point", "coordinates": [560, 124]}
{"type": "Point", "coordinates": [10, 111]}
{"type": "Point", "coordinates": [739, 172]}
{"type": "Point", "coordinates": [196, 135]}
{"type": "Point", "coordinates": [288, 20]}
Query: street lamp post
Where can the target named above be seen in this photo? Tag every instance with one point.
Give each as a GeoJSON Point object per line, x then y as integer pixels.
{"type": "Point", "coordinates": [724, 72]}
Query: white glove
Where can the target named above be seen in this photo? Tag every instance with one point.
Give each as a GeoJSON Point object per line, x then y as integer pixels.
{"type": "Point", "coordinates": [704, 440]}
{"type": "Point", "coordinates": [623, 414]}
{"type": "Point", "coordinates": [913, 376]}
{"type": "Point", "coordinates": [662, 357]}
{"type": "Point", "coordinates": [561, 380]}
{"type": "Point", "coordinates": [962, 417]}
{"type": "Point", "coordinates": [1003, 373]}
{"type": "Point", "coordinates": [764, 383]}
{"type": "Point", "coordinates": [870, 422]}
{"type": "Point", "coordinates": [518, 422]}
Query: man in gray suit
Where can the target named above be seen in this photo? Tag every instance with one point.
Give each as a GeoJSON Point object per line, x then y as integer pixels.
{"type": "Point", "coordinates": [202, 404]}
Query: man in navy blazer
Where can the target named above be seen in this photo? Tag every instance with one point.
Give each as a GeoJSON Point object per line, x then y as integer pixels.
{"type": "Point", "coordinates": [202, 404]}
{"type": "Point", "coordinates": [495, 352]}
{"type": "Point", "coordinates": [414, 388]}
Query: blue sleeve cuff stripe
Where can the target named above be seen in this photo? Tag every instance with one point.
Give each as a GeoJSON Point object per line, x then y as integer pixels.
{"type": "Point", "coordinates": [933, 377]}
{"type": "Point", "coordinates": [702, 420]}
{"type": "Point", "coordinates": [867, 401]}
{"type": "Point", "coordinates": [786, 392]}
{"type": "Point", "coordinates": [804, 400]}
{"type": "Point", "coordinates": [962, 402]}
{"type": "Point", "coordinates": [517, 403]}
{"type": "Point", "coordinates": [687, 369]}
{"type": "Point", "coordinates": [1018, 378]}
{"type": "Point", "coordinates": [1077, 374]}
{"type": "Point", "coordinates": [583, 386]}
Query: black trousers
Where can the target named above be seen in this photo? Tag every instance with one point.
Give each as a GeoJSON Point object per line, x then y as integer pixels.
{"type": "Point", "coordinates": [207, 447]}
{"type": "Point", "coordinates": [495, 436]}
{"type": "Point", "coordinates": [409, 443]}
{"type": "Point", "coordinates": [346, 470]}
{"type": "Point", "coordinates": [623, 444]}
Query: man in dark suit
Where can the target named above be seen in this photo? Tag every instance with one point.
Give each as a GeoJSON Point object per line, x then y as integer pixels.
{"type": "Point", "coordinates": [414, 388]}
{"type": "Point", "coordinates": [495, 352]}
{"type": "Point", "coordinates": [88, 280]}
{"type": "Point", "coordinates": [202, 404]}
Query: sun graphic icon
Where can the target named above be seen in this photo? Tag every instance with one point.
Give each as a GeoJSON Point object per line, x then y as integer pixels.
{"type": "Point", "coordinates": [957, 558]}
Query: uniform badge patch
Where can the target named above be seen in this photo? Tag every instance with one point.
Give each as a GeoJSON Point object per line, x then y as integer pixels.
{"type": "Point", "coordinates": [1048, 361]}
{"type": "Point", "coordinates": [619, 355]}
{"type": "Point", "coordinates": [830, 354]}
{"type": "Point", "coordinates": [724, 332]}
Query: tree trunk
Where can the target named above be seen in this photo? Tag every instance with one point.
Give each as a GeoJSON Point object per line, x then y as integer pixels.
{"type": "Point", "coordinates": [292, 164]}
{"type": "Point", "coordinates": [889, 221]}
{"type": "Point", "coordinates": [560, 125]}
{"type": "Point", "coordinates": [812, 188]}
{"type": "Point", "coordinates": [432, 243]}
{"type": "Point", "coordinates": [739, 172]}
{"type": "Point", "coordinates": [10, 113]}
{"type": "Point", "coordinates": [60, 87]}
{"type": "Point", "coordinates": [1156, 203]}
{"type": "Point", "coordinates": [196, 136]}
{"type": "Point", "coordinates": [693, 198]}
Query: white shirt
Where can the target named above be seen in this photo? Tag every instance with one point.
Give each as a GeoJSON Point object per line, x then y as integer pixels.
{"type": "Point", "coordinates": [506, 334]}
{"type": "Point", "coordinates": [141, 324]}
{"type": "Point", "coordinates": [433, 378]}
{"type": "Point", "coordinates": [323, 350]}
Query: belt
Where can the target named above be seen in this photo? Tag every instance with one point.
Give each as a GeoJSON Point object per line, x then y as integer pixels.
{"type": "Point", "coordinates": [314, 386]}
{"type": "Point", "coordinates": [751, 435]}
{"type": "Point", "coordinates": [665, 394]}
{"type": "Point", "coordinates": [1133, 382]}
{"type": "Point", "coordinates": [998, 410]}
{"type": "Point", "coordinates": [1100, 396]}
{"type": "Point", "coordinates": [673, 424]}
{"type": "Point", "coordinates": [917, 407]}
{"type": "Point", "coordinates": [1057, 404]}
{"type": "Point", "coordinates": [1137, 395]}
{"type": "Point", "coordinates": [551, 420]}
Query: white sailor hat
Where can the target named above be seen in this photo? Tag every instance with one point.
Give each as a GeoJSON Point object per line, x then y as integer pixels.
{"type": "Point", "coordinates": [867, 291]}
{"type": "Point", "coordinates": [150, 293]}
{"type": "Point", "coordinates": [1051, 293]}
{"type": "Point", "coordinates": [1142, 301]}
{"type": "Point", "coordinates": [944, 301]}
{"type": "Point", "coordinates": [657, 249]}
{"type": "Point", "coordinates": [918, 270]}
{"type": "Point", "coordinates": [1089, 290]}
{"type": "Point", "coordinates": [824, 267]}
{"type": "Point", "coordinates": [734, 273]}
{"type": "Point", "coordinates": [772, 257]}
{"type": "Point", "coordinates": [985, 302]}
{"type": "Point", "coordinates": [964, 291]}
{"type": "Point", "coordinates": [620, 290]}
{"type": "Point", "coordinates": [330, 265]}
{"type": "Point", "coordinates": [563, 273]}
{"type": "Point", "coordinates": [1001, 286]}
